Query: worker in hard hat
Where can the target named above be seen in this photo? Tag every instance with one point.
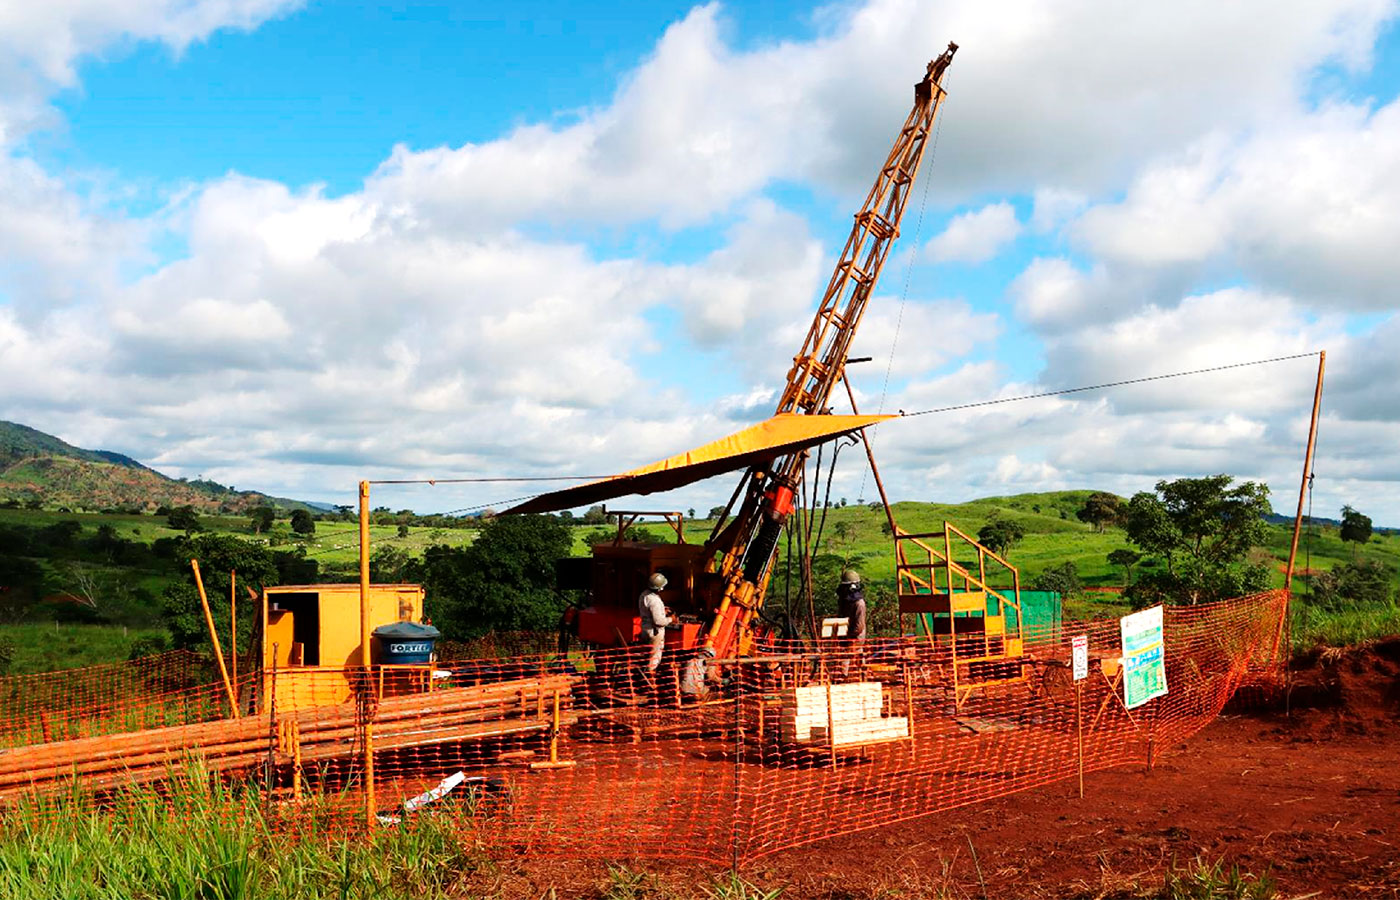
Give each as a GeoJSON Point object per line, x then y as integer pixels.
{"type": "Point", "coordinates": [850, 604]}
{"type": "Point", "coordinates": [696, 675]}
{"type": "Point", "coordinates": [655, 618]}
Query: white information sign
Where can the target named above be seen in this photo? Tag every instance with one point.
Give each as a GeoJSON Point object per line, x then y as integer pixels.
{"type": "Point", "coordinates": [1144, 665]}
{"type": "Point", "coordinates": [1079, 654]}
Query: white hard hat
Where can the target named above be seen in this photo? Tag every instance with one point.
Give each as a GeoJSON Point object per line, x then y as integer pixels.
{"type": "Point", "coordinates": [658, 581]}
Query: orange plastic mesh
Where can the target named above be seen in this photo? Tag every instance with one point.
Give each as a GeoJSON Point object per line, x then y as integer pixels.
{"type": "Point", "coordinates": [583, 755]}
{"type": "Point", "coordinates": [98, 699]}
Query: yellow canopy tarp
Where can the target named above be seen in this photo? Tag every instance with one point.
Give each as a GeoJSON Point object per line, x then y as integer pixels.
{"type": "Point", "coordinates": [778, 436]}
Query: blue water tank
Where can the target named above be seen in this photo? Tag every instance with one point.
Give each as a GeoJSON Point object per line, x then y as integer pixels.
{"type": "Point", "coordinates": [406, 643]}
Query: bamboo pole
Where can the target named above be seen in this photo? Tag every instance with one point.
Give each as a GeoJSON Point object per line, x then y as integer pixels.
{"type": "Point", "coordinates": [1307, 470]}
{"type": "Point", "coordinates": [365, 654]}
{"type": "Point", "coordinates": [214, 636]}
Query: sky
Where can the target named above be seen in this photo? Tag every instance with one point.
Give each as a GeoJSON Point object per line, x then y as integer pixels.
{"type": "Point", "coordinates": [291, 245]}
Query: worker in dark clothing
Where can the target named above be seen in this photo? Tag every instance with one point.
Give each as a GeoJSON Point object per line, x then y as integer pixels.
{"type": "Point", "coordinates": [850, 604]}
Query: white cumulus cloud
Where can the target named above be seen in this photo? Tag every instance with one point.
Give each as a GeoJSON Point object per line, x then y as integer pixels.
{"type": "Point", "coordinates": [977, 236]}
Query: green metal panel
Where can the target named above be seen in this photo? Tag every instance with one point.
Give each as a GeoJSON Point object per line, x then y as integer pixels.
{"type": "Point", "coordinates": [1043, 613]}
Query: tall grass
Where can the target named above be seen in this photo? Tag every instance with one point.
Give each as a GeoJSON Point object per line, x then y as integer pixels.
{"type": "Point", "coordinates": [1345, 627]}
{"type": "Point", "coordinates": [203, 839]}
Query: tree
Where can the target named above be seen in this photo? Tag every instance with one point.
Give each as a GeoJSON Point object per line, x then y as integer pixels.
{"type": "Point", "coordinates": [302, 522]}
{"type": "Point", "coordinates": [218, 554]}
{"type": "Point", "coordinates": [23, 582]}
{"type": "Point", "coordinates": [183, 518]}
{"type": "Point", "coordinates": [262, 519]}
{"type": "Point", "coordinates": [108, 543]}
{"type": "Point", "coordinates": [594, 515]}
{"type": "Point", "coordinates": [1101, 509]}
{"type": "Point", "coordinates": [715, 512]}
{"type": "Point", "coordinates": [1000, 535]}
{"type": "Point", "coordinates": [1356, 528]}
{"type": "Point", "coordinates": [504, 581]}
{"type": "Point", "coordinates": [1125, 559]}
{"type": "Point", "coordinates": [1203, 528]}
{"type": "Point", "coordinates": [61, 535]}
{"type": "Point", "coordinates": [690, 513]}
{"type": "Point", "coordinates": [1062, 579]}
{"type": "Point", "coordinates": [841, 535]}
{"type": "Point", "coordinates": [389, 565]}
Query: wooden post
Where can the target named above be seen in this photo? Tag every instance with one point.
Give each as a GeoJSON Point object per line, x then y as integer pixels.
{"type": "Point", "coordinates": [233, 621]}
{"type": "Point", "coordinates": [1285, 624]}
{"type": "Point", "coordinates": [296, 759]}
{"type": "Point", "coordinates": [830, 724]}
{"type": "Point", "coordinates": [214, 636]}
{"type": "Point", "coordinates": [952, 611]}
{"type": "Point", "coordinates": [909, 707]}
{"type": "Point", "coordinates": [365, 654]}
{"type": "Point", "coordinates": [554, 731]}
{"type": "Point", "coordinates": [1079, 731]}
{"type": "Point", "coordinates": [1307, 470]}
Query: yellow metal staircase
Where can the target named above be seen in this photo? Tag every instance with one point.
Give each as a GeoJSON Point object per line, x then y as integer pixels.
{"type": "Point", "coordinates": [944, 582]}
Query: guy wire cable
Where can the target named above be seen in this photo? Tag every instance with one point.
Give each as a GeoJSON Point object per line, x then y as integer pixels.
{"type": "Point", "coordinates": [1105, 385]}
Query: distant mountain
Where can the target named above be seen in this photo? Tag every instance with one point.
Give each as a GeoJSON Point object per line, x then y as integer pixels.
{"type": "Point", "coordinates": [1322, 521]}
{"type": "Point", "coordinates": [38, 467]}
{"type": "Point", "coordinates": [19, 442]}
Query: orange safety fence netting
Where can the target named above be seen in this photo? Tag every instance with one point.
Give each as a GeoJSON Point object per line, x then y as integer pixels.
{"type": "Point", "coordinates": [50, 705]}
{"type": "Point", "coordinates": [585, 754]}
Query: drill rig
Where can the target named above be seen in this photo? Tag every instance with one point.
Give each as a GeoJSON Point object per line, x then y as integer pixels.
{"type": "Point", "coordinates": [718, 587]}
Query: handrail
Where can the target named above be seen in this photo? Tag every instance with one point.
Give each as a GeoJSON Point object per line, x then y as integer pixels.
{"type": "Point", "coordinates": [983, 548]}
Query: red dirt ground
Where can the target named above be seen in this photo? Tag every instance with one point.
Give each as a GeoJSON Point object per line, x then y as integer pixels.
{"type": "Point", "coordinates": [1311, 798]}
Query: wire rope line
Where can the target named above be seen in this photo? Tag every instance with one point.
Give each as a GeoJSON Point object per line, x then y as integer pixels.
{"type": "Point", "coordinates": [505, 478]}
{"type": "Point", "coordinates": [914, 252]}
{"type": "Point", "coordinates": [1107, 384]}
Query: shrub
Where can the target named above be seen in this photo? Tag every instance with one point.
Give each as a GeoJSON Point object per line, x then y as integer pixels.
{"type": "Point", "coordinates": [1063, 579]}
{"type": "Point", "coordinates": [1363, 583]}
{"type": "Point", "coordinates": [149, 645]}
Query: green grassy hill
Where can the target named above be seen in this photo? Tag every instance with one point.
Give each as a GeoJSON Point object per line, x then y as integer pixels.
{"type": "Point", "coordinates": [40, 469]}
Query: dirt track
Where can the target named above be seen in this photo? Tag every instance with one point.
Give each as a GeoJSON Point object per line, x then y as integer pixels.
{"type": "Point", "coordinates": [1313, 799]}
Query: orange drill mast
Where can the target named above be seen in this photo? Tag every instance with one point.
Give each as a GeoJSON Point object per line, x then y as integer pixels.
{"type": "Point", "coordinates": [745, 547]}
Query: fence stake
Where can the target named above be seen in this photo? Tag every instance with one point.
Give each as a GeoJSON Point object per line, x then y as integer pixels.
{"type": "Point", "coordinates": [1079, 731]}
{"type": "Point", "coordinates": [738, 754]}
{"type": "Point", "coordinates": [365, 654]}
{"type": "Point", "coordinates": [233, 621]}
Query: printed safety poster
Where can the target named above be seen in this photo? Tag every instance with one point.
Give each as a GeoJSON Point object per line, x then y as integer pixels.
{"type": "Point", "coordinates": [1144, 665]}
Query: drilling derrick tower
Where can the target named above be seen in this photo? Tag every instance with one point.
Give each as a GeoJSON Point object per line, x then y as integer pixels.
{"type": "Point", "coordinates": [718, 587]}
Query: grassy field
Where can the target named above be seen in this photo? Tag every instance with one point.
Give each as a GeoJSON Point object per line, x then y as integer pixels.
{"type": "Point", "coordinates": [202, 839]}
{"type": "Point", "coordinates": [48, 646]}
{"type": "Point", "coordinates": [853, 534]}
{"type": "Point", "coordinates": [335, 543]}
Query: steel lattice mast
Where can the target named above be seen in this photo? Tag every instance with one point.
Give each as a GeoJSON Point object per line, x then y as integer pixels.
{"type": "Point", "coordinates": [748, 544]}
